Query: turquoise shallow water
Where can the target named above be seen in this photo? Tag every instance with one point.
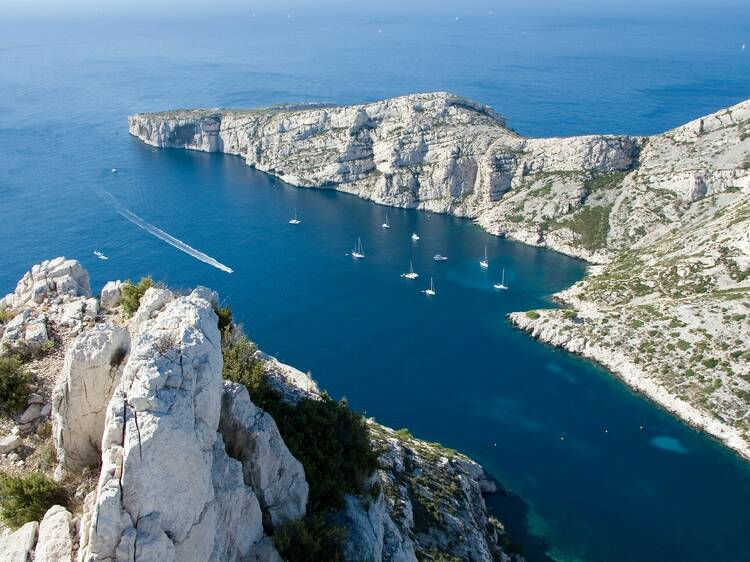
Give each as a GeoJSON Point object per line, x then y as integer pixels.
{"type": "Point", "coordinates": [449, 368]}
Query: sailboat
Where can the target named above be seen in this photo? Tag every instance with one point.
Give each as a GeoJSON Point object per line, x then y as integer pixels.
{"type": "Point", "coordinates": [439, 257]}
{"type": "Point", "coordinates": [412, 274]}
{"type": "Point", "coordinates": [431, 290]}
{"type": "Point", "coordinates": [502, 284]}
{"type": "Point", "coordinates": [414, 236]}
{"type": "Point", "coordinates": [386, 224]}
{"type": "Point", "coordinates": [485, 263]}
{"type": "Point", "coordinates": [359, 250]}
{"type": "Point", "coordinates": [100, 255]}
{"type": "Point", "coordinates": [295, 220]}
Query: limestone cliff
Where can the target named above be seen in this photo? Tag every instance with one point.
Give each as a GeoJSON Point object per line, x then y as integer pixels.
{"type": "Point", "coordinates": [667, 215]}
{"type": "Point", "coordinates": [189, 468]}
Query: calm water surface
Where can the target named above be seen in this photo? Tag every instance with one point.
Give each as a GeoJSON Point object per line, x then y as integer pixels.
{"type": "Point", "coordinates": [596, 472]}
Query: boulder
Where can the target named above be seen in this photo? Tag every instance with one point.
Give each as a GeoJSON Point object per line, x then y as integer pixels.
{"type": "Point", "coordinates": [9, 443]}
{"type": "Point", "coordinates": [167, 489]}
{"type": "Point", "coordinates": [25, 333]}
{"type": "Point", "coordinates": [90, 374]}
{"type": "Point", "coordinates": [110, 295]}
{"type": "Point", "coordinates": [56, 532]}
{"type": "Point", "coordinates": [17, 546]}
{"type": "Point", "coordinates": [251, 436]}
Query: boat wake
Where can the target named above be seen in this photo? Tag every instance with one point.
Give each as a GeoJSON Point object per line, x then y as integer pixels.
{"type": "Point", "coordinates": [165, 236]}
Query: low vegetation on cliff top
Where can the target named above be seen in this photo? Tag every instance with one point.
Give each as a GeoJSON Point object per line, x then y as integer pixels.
{"type": "Point", "coordinates": [132, 293]}
{"type": "Point", "coordinates": [330, 440]}
{"type": "Point", "coordinates": [14, 385]}
{"type": "Point", "coordinates": [27, 497]}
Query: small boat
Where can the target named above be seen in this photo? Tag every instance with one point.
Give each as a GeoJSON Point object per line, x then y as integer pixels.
{"type": "Point", "coordinates": [431, 290]}
{"type": "Point", "coordinates": [439, 257]}
{"type": "Point", "coordinates": [412, 274]}
{"type": "Point", "coordinates": [359, 250]}
{"type": "Point", "coordinates": [485, 263]}
{"type": "Point", "coordinates": [100, 255]}
{"type": "Point", "coordinates": [501, 285]}
{"type": "Point", "coordinates": [386, 224]}
{"type": "Point", "coordinates": [114, 170]}
{"type": "Point", "coordinates": [295, 220]}
{"type": "Point", "coordinates": [414, 236]}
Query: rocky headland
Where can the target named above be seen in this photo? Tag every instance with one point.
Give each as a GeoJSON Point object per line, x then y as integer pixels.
{"type": "Point", "coordinates": [143, 450]}
{"type": "Point", "coordinates": [664, 218]}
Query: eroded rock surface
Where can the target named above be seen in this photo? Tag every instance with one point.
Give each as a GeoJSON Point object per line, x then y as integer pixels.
{"type": "Point", "coordinates": [91, 372]}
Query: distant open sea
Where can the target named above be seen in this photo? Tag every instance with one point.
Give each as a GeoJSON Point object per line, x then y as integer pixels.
{"type": "Point", "coordinates": [449, 368]}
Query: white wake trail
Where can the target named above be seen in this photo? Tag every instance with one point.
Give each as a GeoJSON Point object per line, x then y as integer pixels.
{"type": "Point", "coordinates": [165, 236]}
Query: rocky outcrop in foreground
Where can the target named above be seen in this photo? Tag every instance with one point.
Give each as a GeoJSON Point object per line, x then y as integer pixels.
{"type": "Point", "coordinates": [666, 215]}
{"type": "Point", "coordinates": [189, 468]}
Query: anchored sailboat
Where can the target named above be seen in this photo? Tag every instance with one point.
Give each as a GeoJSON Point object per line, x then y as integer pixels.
{"type": "Point", "coordinates": [412, 274]}
{"type": "Point", "coordinates": [386, 224]}
{"type": "Point", "coordinates": [485, 263]}
{"type": "Point", "coordinates": [295, 220]}
{"type": "Point", "coordinates": [439, 257]}
{"type": "Point", "coordinates": [359, 250]}
{"type": "Point", "coordinates": [431, 290]}
{"type": "Point", "coordinates": [414, 236]}
{"type": "Point", "coordinates": [502, 284]}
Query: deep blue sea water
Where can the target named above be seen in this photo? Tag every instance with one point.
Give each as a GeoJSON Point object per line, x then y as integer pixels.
{"type": "Point", "coordinates": [449, 367]}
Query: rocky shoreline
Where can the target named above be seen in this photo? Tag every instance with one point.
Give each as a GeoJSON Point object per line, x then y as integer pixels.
{"type": "Point", "coordinates": [667, 217]}
{"type": "Point", "coordinates": [549, 327]}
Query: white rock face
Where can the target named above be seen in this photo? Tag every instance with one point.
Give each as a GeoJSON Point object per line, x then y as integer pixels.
{"type": "Point", "coordinates": [58, 279]}
{"type": "Point", "coordinates": [111, 294]}
{"type": "Point", "coordinates": [56, 532]}
{"type": "Point", "coordinates": [91, 372]}
{"type": "Point", "coordinates": [152, 301]}
{"type": "Point", "coordinates": [372, 534]}
{"type": "Point", "coordinates": [251, 436]}
{"type": "Point", "coordinates": [26, 332]}
{"type": "Point", "coordinates": [17, 546]}
{"type": "Point", "coordinates": [167, 489]}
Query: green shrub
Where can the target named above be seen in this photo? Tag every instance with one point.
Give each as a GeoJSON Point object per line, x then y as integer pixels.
{"type": "Point", "coordinates": [569, 314]}
{"type": "Point", "coordinates": [225, 318]}
{"type": "Point", "coordinates": [332, 443]}
{"type": "Point", "coordinates": [6, 315]}
{"type": "Point", "coordinates": [27, 498]}
{"type": "Point", "coordinates": [532, 314]}
{"type": "Point", "coordinates": [243, 367]}
{"type": "Point", "coordinates": [132, 293]}
{"type": "Point", "coordinates": [310, 539]}
{"type": "Point", "coordinates": [330, 440]}
{"type": "Point", "coordinates": [14, 385]}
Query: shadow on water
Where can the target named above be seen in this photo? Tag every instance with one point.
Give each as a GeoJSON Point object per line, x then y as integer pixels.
{"type": "Point", "coordinates": [515, 514]}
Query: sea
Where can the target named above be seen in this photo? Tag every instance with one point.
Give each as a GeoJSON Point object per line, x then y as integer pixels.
{"type": "Point", "coordinates": [591, 471]}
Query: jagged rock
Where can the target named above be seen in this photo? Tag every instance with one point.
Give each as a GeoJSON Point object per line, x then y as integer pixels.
{"type": "Point", "coordinates": [152, 301]}
{"type": "Point", "coordinates": [25, 333]}
{"type": "Point", "coordinates": [372, 535]}
{"type": "Point", "coordinates": [57, 279]}
{"type": "Point", "coordinates": [34, 398]}
{"type": "Point", "coordinates": [56, 532]}
{"type": "Point", "coordinates": [17, 546]}
{"type": "Point", "coordinates": [167, 490]}
{"type": "Point", "coordinates": [251, 436]}
{"type": "Point", "coordinates": [111, 294]}
{"type": "Point", "coordinates": [90, 374]}
{"type": "Point", "coordinates": [9, 443]}
{"type": "Point", "coordinates": [31, 413]}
